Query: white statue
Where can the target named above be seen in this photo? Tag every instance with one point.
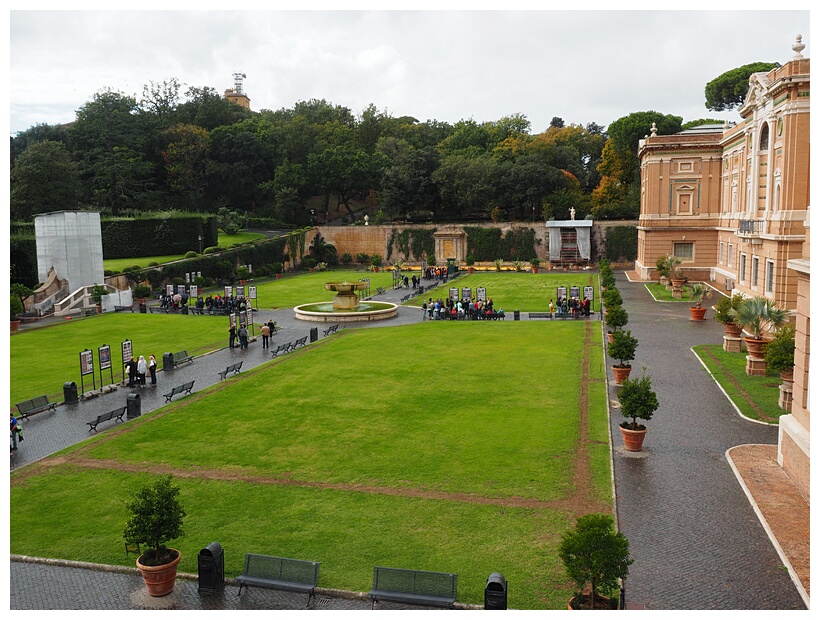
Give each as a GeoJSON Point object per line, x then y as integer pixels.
{"type": "Point", "coordinates": [572, 213]}
{"type": "Point", "coordinates": [366, 220]}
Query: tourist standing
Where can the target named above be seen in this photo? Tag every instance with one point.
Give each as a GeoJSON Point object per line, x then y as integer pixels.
{"type": "Point", "coordinates": [265, 335]}
{"type": "Point", "coordinates": [152, 369]}
{"type": "Point", "coordinates": [232, 336]}
{"type": "Point", "coordinates": [131, 370]}
{"type": "Point", "coordinates": [15, 432]}
{"type": "Point", "coordinates": [142, 370]}
{"type": "Point", "coordinates": [242, 332]}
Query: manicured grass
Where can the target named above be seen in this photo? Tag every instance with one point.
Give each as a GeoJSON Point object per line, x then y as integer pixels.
{"type": "Point", "coordinates": [729, 369]}
{"type": "Point", "coordinates": [42, 360]}
{"type": "Point", "coordinates": [225, 241]}
{"type": "Point", "coordinates": [659, 293]}
{"type": "Point", "coordinates": [429, 446]}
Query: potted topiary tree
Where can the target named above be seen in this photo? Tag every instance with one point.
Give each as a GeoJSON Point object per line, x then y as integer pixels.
{"type": "Point", "coordinates": [638, 402]}
{"type": "Point", "coordinates": [98, 291]}
{"type": "Point", "coordinates": [676, 276]}
{"type": "Point", "coordinates": [375, 262]}
{"type": "Point", "coordinates": [470, 262]}
{"type": "Point", "coordinates": [16, 309]}
{"type": "Point", "coordinates": [141, 293]}
{"type": "Point", "coordinates": [722, 315]}
{"type": "Point", "coordinates": [662, 265]}
{"type": "Point", "coordinates": [535, 262]}
{"type": "Point", "coordinates": [278, 268]}
{"type": "Point", "coordinates": [156, 518]}
{"type": "Point", "coordinates": [779, 353]}
{"type": "Point", "coordinates": [612, 297]}
{"type": "Point", "coordinates": [755, 315]}
{"type": "Point", "coordinates": [595, 557]}
{"type": "Point", "coordinates": [242, 274]}
{"type": "Point", "coordinates": [616, 318]}
{"type": "Point", "coordinates": [622, 348]}
{"type": "Point", "coordinates": [698, 291]}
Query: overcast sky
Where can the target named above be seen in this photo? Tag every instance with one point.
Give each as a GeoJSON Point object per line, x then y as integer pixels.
{"type": "Point", "coordinates": [581, 66]}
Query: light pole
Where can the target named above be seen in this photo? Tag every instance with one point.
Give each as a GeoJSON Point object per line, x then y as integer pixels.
{"type": "Point", "coordinates": [312, 216]}
{"type": "Point", "coordinates": [200, 244]}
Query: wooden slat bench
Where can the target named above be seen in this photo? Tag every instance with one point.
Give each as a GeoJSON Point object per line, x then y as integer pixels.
{"type": "Point", "coordinates": [185, 388]}
{"type": "Point", "coordinates": [181, 357]}
{"type": "Point", "coordinates": [35, 405]}
{"type": "Point", "coordinates": [234, 368]}
{"type": "Point", "coordinates": [104, 417]}
{"type": "Point", "coordinates": [418, 587]}
{"type": "Point", "coordinates": [268, 571]}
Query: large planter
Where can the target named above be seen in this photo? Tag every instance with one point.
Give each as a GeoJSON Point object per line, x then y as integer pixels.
{"type": "Point", "coordinates": [633, 440]}
{"type": "Point", "coordinates": [732, 330]}
{"type": "Point", "coordinates": [697, 313]}
{"type": "Point", "coordinates": [15, 325]}
{"type": "Point", "coordinates": [754, 347]}
{"type": "Point", "coordinates": [787, 376]}
{"type": "Point", "coordinates": [601, 602]}
{"type": "Point", "coordinates": [610, 337]}
{"type": "Point", "coordinates": [159, 580]}
{"type": "Point", "coordinates": [677, 288]}
{"type": "Point", "coordinates": [534, 269]}
{"type": "Point", "coordinates": [621, 373]}
{"type": "Point", "coordinates": [278, 276]}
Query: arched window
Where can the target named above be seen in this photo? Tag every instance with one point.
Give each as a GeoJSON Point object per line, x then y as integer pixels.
{"type": "Point", "coordinates": [764, 137]}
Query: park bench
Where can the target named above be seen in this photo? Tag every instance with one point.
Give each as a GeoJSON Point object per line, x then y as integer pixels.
{"type": "Point", "coordinates": [379, 290]}
{"type": "Point", "coordinates": [153, 309]}
{"type": "Point", "coordinates": [268, 571]}
{"type": "Point", "coordinates": [540, 315]}
{"type": "Point", "coordinates": [282, 348]}
{"type": "Point", "coordinates": [89, 311]}
{"type": "Point", "coordinates": [413, 586]}
{"type": "Point", "coordinates": [182, 357]}
{"type": "Point", "coordinates": [123, 308]}
{"type": "Point", "coordinates": [299, 343]}
{"type": "Point", "coordinates": [234, 368]}
{"type": "Point", "coordinates": [104, 417]}
{"type": "Point", "coordinates": [405, 298]}
{"type": "Point", "coordinates": [35, 405]}
{"type": "Point", "coordinates": [331, 330]}
{"type": "Point", "coordinates": [185, 387]}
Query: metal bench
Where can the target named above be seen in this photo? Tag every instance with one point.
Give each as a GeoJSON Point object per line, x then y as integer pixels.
{"type": "Point", "coordinates": [282, 348]}
{"type": "Point", "coordinates": [331, 330]}
{"type": "Point", "coordinates": [268, 571]}
{"type": "Point", "coordinates": [104, 417]}
{"type": "Point", "coordinates": [123, 308]}
{"type": "Point", "coordinates": [181, 358]}
{"type": "Point", "coordinates": [419, 587]}
{"type": "Point", "coordinates": [540, 315]}
{"type": "Point", "coordinates": [180, 389]}
{"type": "Point", "coordinates": [299, 343]}
{"type": "Point", "coordinates": [234, 368]}
{"type": "Point", "coordinates": [379, 290]}
{"type": "Point", "coordinates": [35, 405]}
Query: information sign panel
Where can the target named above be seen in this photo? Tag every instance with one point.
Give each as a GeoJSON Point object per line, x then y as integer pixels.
{"type": "Point", "coordinates": [104, 355]}
{"type": "Point", "coordinates": [86, 362]}
{"type": "Point", "coordinates": [481, 293]}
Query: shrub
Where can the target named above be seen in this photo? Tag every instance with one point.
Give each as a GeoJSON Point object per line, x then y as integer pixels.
{"type": "Point", "coordinates": [156, 519]}
{"type": "Point", "coordinates": [612, 297]}
{"type": "Point", "coordinates": [780, 351]}
{"type": "Point", "coordinates": [191, 254]}
{"type": "Point", "coordinates": [363, 258]}
{"type": "Point", "coordinates": [376, 260]}
{"type": "Point", "coordinates": [622, 347]}
{"type": "Point", "coordinates": [346, 258]}
{"type": "Point", "coordinates": [616, 318]}
{"type": "Point", "coordinates": [638, 401]}
{"type": "Point", "coordinates": [16, 307]}
{"type": "Point", "coordinates": [142, 291]}
{"type": "Point", "coordinates": [210, 250]}
{"type": "Point", "coordinates": [723, 306]}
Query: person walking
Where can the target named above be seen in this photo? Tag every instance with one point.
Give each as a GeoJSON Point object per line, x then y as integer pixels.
{"type": "Point", "coordinates": [142, 370]}
{"type": "Point", "coordinates": [265, 335]}
{"type": "Point", "coordinates": [232, 336]}
{"type": "Point", "coordinates": [272, 326]}
{"type": "Point", "coordinates": [152, 369]}
{"type": "Point", "coordinates": [15, 432]}
{"type": "Point", "coordinates": [242, 332]}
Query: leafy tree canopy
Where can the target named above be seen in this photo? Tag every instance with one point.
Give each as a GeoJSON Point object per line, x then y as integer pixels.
{"type": "Point", "coordinates": [728, 90]}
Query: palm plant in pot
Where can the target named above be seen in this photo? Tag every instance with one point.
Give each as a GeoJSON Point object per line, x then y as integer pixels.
{"type": "Point", "coordinates": [156, 518]}
{"type": "Point", "coordinates": [698, 292]}
{"type": "Point", "coordinates": [722, 315]}
{"type": "Point", "coordinates": [638, 402]}
{"type": "Point", "coordinates": [756, 315]}
{"type": "Point", "coordinates": [622, 348]}
{"type": "Point", "coordinates": [595, 557]}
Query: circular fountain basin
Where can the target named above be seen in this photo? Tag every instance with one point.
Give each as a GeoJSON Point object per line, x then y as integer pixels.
{"type": "Point", "coordinates": [326, 312]}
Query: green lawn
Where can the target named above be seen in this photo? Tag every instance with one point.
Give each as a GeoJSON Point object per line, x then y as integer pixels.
{"type": "Point", "coordinates": [117, 265]}
{"type": "Point", "coordinates": [756, 397]}
{"type": "Point", "coordinates": [374, 447]}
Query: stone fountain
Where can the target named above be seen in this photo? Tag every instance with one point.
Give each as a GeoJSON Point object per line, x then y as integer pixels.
{"type": "Point", "coordinates": [346, 307]}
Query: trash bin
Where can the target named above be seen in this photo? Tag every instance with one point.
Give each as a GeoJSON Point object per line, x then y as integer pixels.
{"type": "Point", "coordinates": [133, 407]}
{"type": "Point", "coordinates": [495, 593]}
{"type": "Point", "coordinates": [211, 568]}
{"type": "Point", "coordinates": [184, 309]}
{"type": "Point", "coordinates": [516, 315]}
{"type": "Point", "coordinates": [143, 309]}
{"type": "Point", "coordinates": [70, 393]}
{"type": "Point", "coordinates": [314, 334]}
{"type": "Point", "coordinates": [167, 361]}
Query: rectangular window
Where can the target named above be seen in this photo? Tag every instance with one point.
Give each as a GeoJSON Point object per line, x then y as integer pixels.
{"type": "Point", "coordinates": [685, 251]}
{"type": "Point", "coordinates": [742, 274]}
{"type": "Point", "coordinates": [730, 256]}
{"type": "Point", "coordinates": [754, 270]}
{"type": "Point", "coordinates": [769, 276]}
{"type": "Point", "coordinates": [720, 256]}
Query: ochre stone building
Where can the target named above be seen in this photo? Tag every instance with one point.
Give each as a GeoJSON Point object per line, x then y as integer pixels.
{"type": "Point", "coordinates": [733, 203]}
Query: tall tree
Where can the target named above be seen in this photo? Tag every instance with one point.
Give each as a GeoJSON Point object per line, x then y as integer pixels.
{"type": "Point", "coordinates": [110, 138]}
{"type": "Point", "coordinates": [728, 90]}
{"type": "Point", "coordinates": [43, 178]}
{"type": "Point", "coordinates": [187, 162]}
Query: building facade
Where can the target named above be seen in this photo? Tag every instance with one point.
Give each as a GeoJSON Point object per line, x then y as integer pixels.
{"type": "Point", "coordinates": [733, 203]}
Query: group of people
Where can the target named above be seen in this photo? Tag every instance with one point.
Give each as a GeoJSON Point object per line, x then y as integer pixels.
{"type": "Point", "coordinates": [267, 331]}
{"type": "Point", "coordinates": [435, 273]}
{"type": "Point", "coordinates": [137, 370]}
{"type": "Point", "coordinates": [460, 309]}
{"type": "Point", "coordinates": [573, 306]}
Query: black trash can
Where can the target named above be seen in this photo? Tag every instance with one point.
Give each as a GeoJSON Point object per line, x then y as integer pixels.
{"type": "Point", "coordinates": [70, 393]}
{"type": "Point", "coordinates": [143, 309]}
{"type": "Point", "coordinates": [184, 309]}
{"type": "Point", "coordinates": [516, 315]}
{"type": "Point", "coordinates": [167, 361]}
{"type": "Point", "coordinates": [211, 568]}
{"type": "Point", "coordinates": [495, 593]}
{"type": "Point", "coordinates": [314, 334]}
{"type": "Point", "coordinates": [133, 406]}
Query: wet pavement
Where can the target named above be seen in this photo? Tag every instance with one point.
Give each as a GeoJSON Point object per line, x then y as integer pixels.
{"type": "Point", "coordinates": [695, 538]}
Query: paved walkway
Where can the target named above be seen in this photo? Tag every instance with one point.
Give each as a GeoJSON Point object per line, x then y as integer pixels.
{"type": "Point", "coordinates": [694, 535]}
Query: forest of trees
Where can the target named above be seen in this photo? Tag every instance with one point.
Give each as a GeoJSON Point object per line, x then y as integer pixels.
{"type": "Point", "coordinates": [197, 151]}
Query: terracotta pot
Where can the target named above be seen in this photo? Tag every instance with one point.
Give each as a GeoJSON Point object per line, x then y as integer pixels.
{"type": "Point", "coordinates": [159, 580]}
{"type": "Point", "coordinates": [732, 330]}
{"type": "Point", "coordinates": [633, 440]}
{"type": "Point", "coordinates": [621, 373]}
{"type": "Point", "coordinates": [754, 347]}
{"type": "Point", "coordinates": [312, 269]}
{"type": "Point", "coordinates": [601, 602]}
{"type": "Point", "coordinates": [15, 325]}
{"type": "Point", "coordinates": [677, 285]}
{"type": "Point", "coordinates": [278, 276]}
{"type": "Point", "coordinates": [787, 376]}
{"type": "Point", "coordinates": [610, 336]}
{"type": "Point", "coordinates": [697, 314]}
{"type": "Point", "coordinates": [535, 269]}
